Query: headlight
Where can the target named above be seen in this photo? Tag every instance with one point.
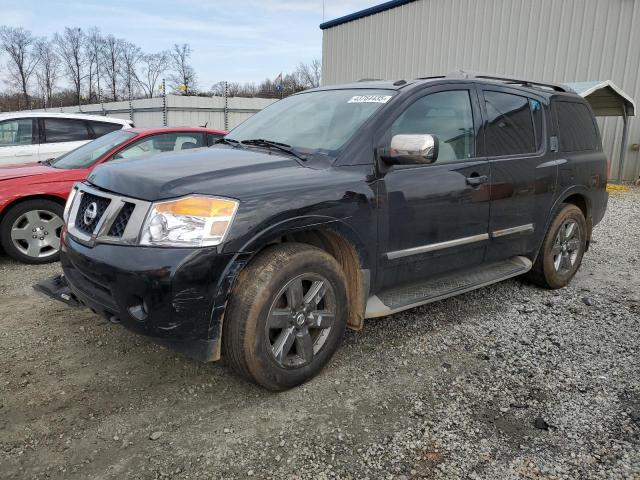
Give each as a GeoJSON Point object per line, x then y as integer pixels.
{"type": "Point", "coordinates": [67, 206]}
{"type": "Point", "coordinates": [193, 221]}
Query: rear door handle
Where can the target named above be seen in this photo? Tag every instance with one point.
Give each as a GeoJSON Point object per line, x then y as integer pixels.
{"type": "Point", "coordinates": [477, 180]}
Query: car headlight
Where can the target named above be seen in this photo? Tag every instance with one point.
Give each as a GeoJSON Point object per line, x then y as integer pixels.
{"type": "Point", "coordinates": [70, 199]}
{"type": "Point", "coordinates": [193, 221]}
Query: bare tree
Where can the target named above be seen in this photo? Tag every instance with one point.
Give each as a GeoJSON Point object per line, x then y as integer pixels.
{"type": "Point", "coordinates": [70, 48]}
{"type": "Point", "coordinates": [48, 69]}
{"type": "Point", "coordinates": [233, 89]}
{"type": "Point", "coordinates": [18, 44]}
{"type": "Point", "coordinates": [111, 54]}
{"type": "Point", "coordinates": [152, 66]}
{"type": "Point", "coordinates": [131, 55]}
{"type": "Point", "coordinates": [92, 48]}
{"type": "Point", "coordinates": [310, 74]}
{"type": "Point", "coordinates": [184, 76]}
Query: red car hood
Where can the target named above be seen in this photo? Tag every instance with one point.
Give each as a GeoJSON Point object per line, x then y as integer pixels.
{"type": "Point", "coordinates": [29, 170]}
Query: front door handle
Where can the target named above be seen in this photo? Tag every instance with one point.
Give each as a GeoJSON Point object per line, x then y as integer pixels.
{"type": "Point", "coordinates": [475, 180]}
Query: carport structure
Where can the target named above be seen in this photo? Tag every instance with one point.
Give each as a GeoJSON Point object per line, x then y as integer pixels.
{"type": "Point", "coordinates": [608, 100]}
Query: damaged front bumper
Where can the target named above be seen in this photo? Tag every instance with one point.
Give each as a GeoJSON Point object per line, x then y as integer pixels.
{"type": "Point", "coordinates": [175, 296]}
{"type": "Point", "coordinates": [56, 287]}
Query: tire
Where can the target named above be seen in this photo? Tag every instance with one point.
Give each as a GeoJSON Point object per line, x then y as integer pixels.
{"type": "Point", "coordinates": [265, 310]}
{"type": "Point", "coordinates": [17, 231]}
{"type": "Point", "coordinates": [560, 257]}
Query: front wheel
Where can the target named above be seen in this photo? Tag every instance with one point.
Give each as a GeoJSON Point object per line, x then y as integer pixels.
{"type": "Point", "coordinates": [286, 316]}
{"type": "Point", "coordinates": [30, 231]}
{"type": "Point", "coordinates": [562, 250]}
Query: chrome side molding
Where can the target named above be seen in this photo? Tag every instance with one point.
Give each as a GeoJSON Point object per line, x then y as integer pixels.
{"type": "Point", "coordinates": [437, 246]}
{"type": "Point", "coordinates": [528, 228]}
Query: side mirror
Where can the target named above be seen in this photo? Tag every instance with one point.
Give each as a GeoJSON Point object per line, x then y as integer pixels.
{"type": "Point", "coordinates": [413, 149]}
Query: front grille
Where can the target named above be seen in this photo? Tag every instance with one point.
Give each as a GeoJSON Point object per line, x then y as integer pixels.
{"type": "Point", "coordinates": [120, 223]}
{"type": "Point", "coordinates": [101, 205]}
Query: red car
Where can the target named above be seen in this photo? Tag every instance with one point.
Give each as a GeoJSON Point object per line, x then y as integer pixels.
{"type": "Point", "coordinates": [32, 197]}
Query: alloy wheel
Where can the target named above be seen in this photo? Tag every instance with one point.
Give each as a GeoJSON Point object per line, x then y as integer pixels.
{"type": "Point", "coordinates": [566, 246]}
{"type": "Point", "coordinates": [300, 320]}
{"type": "Point", "coordinates": [36, 233]}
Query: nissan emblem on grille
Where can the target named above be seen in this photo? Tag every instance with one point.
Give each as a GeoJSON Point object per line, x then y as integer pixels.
{"type": "Point", "coordinates": [90, 213]}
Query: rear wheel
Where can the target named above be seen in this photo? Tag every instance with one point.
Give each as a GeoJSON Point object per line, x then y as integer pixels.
{"type": "Point", "coordinates": [562, 250]}
{"type": "Point", "coordinates": [286, 316]}
{"type": "Point", "coordinates": [30, 231]}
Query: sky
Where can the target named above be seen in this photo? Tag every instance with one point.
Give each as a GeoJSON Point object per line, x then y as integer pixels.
{"type": "Point", "coordinates": [237, 41]}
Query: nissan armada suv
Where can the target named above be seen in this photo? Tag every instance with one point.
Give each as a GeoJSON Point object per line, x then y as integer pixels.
{"type": "Point", "coordinates": [333, 206]}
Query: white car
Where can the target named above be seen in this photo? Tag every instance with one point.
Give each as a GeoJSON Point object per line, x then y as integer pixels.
{"type": "Point", "coordinates": [27, 137]}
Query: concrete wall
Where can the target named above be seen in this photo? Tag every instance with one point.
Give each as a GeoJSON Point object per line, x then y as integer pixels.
{"type": "Point", "coordinates": [181, 111]}
{"type": "Point", "coordinates": [546, 40]}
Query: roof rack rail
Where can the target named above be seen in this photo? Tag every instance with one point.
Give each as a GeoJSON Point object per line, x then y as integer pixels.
{"type": "Point", "coordinates": [515, 81]}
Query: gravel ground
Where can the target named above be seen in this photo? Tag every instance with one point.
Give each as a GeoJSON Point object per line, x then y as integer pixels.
{"type": "Point", "coordinates": [506, 382]}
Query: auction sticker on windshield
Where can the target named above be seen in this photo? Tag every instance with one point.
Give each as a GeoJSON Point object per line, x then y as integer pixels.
{"type": "Point", "coordinates": [370, 99]}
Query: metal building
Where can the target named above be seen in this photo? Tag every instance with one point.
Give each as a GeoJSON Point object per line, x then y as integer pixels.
{"type": "Point", "coordinates": [545, 40]}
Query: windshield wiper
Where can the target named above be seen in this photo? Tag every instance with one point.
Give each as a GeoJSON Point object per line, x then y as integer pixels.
{"type": "Point", "coordinates": [228, 141]}
{"type": "Point", "coordinates": [260, 142]}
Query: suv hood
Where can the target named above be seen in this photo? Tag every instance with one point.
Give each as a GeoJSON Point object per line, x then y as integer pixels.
{"type": "Point", "coordinates": [219, 170]}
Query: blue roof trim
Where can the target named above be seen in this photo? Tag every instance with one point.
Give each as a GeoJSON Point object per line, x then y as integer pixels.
{"type": "Point", "coordinates": [364, 13]}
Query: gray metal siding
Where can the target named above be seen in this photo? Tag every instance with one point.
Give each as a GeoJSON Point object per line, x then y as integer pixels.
{"type": "Point", "coordinates": [545, 40]}
{"type": "Point", "coordinates": [181, 111]}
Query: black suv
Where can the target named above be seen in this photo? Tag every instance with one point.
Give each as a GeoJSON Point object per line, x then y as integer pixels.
{"type": "Point", "coordinates": [336, 205]}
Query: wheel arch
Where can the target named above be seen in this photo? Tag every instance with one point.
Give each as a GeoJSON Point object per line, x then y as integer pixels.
{"type": "Point", "coordinates": [337, 238]}
{"type": "Point", "coordinates": [578, 196]}
{"type": "Point", "coordinates": [334, 236]}
{"type": "Point", "coordinates": [38, 196]}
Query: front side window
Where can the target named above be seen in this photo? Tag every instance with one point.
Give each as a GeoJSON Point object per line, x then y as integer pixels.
{"type": "Point", "coordinates": [509, 129]}
{"type": "Point", "coordinates": [321, 121]}
{"type": "Point", "coordinates": [16, 132]}
{"type": "Point", "coordinates": [445, 115]}
{"type": "Point", "coordinates": [164, 142]}
{"type": "Point", "coordinates": [65, 130]}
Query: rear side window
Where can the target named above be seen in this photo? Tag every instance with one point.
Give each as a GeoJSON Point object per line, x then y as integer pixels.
{"type": "Point", "coordinates": [65, 130]}
{"type": "Point", "coordinates": [510, 129]}
{"type": "Point", "coordinates": [577, 130]}
{"type": "Point", "coordinates": [102, 128]}
{"type": "Point", "coordinates": [16, 132]}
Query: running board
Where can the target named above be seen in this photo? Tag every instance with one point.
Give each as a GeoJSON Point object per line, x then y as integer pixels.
{"type": "Point", "coordinates": [421, 293]}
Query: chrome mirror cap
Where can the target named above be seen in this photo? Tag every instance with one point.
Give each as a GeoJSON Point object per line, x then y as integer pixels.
{"type": "Point", "coordinates": [413, 149]}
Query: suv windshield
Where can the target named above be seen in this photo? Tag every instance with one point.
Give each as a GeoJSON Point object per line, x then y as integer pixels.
{"type": "Point", "coordinates": [320, 121]}
{"type": "Point", "coordinates": [84, 156]}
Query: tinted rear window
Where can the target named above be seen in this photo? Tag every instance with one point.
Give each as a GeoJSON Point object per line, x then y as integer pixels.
{"type": "Point", "coordinates": [510, 125]}
{"type": "Point", "coordinates": [577, 130]}
{"type": "Point", "coordinates": [102, 128]}
{"type": "Point", "coordinates": [65, 130]}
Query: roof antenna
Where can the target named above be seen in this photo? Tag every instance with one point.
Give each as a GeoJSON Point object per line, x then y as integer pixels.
{"type": "Point", "coordinates": [205, 125]}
